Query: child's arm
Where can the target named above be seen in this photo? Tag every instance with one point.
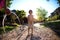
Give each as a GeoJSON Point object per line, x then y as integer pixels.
{"type": "Point", "coordinates": [34, 20]}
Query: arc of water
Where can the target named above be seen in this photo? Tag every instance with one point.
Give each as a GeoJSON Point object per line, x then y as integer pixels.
{"type": "Point", "coordinates": [3, 22]}
{"type": "Point", "coordinates": [4, 19]}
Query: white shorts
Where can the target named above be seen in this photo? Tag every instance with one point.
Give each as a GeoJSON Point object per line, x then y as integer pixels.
{"type": "Point", "coordinates": [30, 25]}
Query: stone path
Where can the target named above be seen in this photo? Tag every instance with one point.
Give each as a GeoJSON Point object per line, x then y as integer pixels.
{"type": "Point", "coordinates": [39, 33]}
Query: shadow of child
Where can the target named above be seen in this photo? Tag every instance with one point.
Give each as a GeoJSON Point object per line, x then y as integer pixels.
{"type": "Point", "coordinates": [32, 37]}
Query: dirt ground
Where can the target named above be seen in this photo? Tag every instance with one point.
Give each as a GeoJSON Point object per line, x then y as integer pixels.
{"type": "Point", "coordinates": [42, 33]}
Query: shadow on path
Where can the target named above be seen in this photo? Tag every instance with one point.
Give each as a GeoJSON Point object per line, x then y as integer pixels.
{"type": "Point", "coordinates": [32, 37]}
{"type": "Point", "coordinates": [55, 26]}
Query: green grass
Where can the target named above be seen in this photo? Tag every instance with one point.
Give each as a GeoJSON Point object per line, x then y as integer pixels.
{"type": "Point", "coordinates": [7, 29]}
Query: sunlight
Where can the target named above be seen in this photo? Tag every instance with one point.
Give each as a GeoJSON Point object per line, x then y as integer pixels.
{"type": "Point", "coordinates": [30, 5]}
{"type": "Point", "coordinates": [33, 4]}
{"type": "Point", "coordinates": [38, 25]}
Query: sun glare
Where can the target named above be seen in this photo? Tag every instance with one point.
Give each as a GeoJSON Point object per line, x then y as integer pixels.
{"type": "Point", "coordinates": [33, 4]}
{"type": "Point", "coordinates": [30, 5]}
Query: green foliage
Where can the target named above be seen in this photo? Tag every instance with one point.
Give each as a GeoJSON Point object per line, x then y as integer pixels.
{"type": "Point", "coordinates": [21, 13]}
{"type": "Point", "coordinates": [2, 10]}
{"type": "Point", "coordinates": [8, 3]}
{"type": "Point", "coordinates": [7, 28]}
{"type": "Point", "coordinates": [41, 13]}
{"type": "Point", "coordinates": [58, 1]}
{"type": "Point", "coordinates": [13, 17]}
{"type": "Point", "coordinates": [55, 17]}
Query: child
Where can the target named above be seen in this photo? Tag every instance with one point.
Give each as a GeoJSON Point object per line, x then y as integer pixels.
{"type": "Point", "coordinates": [30, 22]}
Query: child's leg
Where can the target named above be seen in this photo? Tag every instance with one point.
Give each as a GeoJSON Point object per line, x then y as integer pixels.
{"type": "Point", "coordinates": [28, 30]}
{"type": "Point", "coordinates": [32, 29]}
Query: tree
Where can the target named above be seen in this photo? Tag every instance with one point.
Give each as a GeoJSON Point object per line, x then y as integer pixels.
{"type": "Point", "coordinates": [41, 13]}
{"type": "Point", "coordinates": [3, 5]}
{"type": "Point", "coordinates": [8, 3]}
{"type": "Point", "coordinates": [58, 1]}
{"type": "Point", "coordinates": [21, 14]}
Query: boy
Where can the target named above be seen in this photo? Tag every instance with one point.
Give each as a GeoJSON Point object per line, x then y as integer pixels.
{"type": "Point", "coordinates": [30, 22]}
